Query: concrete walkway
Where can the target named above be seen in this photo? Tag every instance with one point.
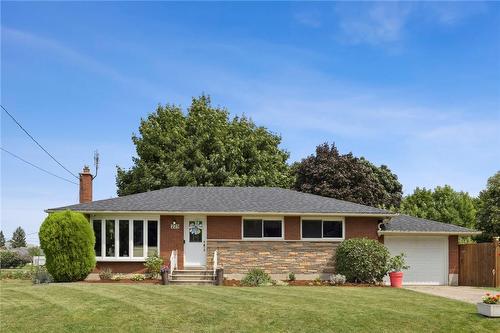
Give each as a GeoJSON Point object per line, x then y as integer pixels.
{"type": "Point", "coordinates": [465, 294]}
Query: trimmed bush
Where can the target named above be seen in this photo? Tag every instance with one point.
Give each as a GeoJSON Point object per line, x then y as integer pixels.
{"type": "Point", "coordinates": [67, 239]}
{"type": "Point", "coordinates": [153, 265]}
{"type": "Point", "coordinates": [256, 277]}
{"type": "Point", "coordinates": [362, 260]}
{"type": "Point", "coordinates": [13, 258]}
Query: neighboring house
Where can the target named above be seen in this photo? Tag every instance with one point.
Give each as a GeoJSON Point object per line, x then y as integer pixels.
{"type": "Point", "coordinates": [275, 229]}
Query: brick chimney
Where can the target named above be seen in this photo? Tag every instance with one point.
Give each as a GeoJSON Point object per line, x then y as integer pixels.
{"type": "Point", "coordinates": [85, 185]}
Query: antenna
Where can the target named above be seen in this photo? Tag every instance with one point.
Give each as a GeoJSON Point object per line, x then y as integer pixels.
{"type": "Point", "coordinates": [96, 163]}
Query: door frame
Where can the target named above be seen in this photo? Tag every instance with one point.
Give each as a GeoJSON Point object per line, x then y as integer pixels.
{"type": "Point", "coordinates": [202, 218]}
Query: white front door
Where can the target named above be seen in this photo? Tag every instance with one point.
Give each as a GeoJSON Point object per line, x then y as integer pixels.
{"type": "Point", "coordinates": [195, 235]}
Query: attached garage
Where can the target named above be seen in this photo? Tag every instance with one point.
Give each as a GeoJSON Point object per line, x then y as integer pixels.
{"type": "Point", "coordinates": [431, 248]}
{"type": "Point", "coordinates": [427, 257]}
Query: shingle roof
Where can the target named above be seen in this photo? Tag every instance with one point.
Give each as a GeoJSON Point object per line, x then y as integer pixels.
{"type": "Point", "coordinates": [405, 223]}
{"type": "Point", "coordinates": [225, 199]}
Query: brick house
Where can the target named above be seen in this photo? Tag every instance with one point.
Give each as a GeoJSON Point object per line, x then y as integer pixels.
{"type": "Point", "coordinates": [276, 229]}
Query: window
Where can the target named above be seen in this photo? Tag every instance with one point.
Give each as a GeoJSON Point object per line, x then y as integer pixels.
{"type": "Point", "coordinates": [97, 226]}
{"type": "Point", "coordinates": [152, 238]}
{"type": "Point", "coordinates": [138, 238]}
{"type": "Point", "coordinates": [257, 228]}
{"type": "Point", "coordinates": [125, 239]}
{"type": "Point", "coordinates": [110, 238]}
{"type": "Point", "coordinates": [322, 229]}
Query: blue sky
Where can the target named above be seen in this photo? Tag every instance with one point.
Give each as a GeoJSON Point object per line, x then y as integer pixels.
{"type": "Point", "coordinates": [413, 86]}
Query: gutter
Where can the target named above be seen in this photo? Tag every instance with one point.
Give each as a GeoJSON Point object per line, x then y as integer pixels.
{"type": "Point", "coordinates": [427, 233]}
{"type": "Point", "coordinates": [225, 213]}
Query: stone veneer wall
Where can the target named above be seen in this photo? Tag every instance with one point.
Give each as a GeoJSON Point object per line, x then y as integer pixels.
{"type": "Point", "coordinates": [304, 258]}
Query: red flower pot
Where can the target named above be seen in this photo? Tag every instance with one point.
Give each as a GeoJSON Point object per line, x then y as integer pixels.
{"type": "Point", "coordinates": [396, 279]}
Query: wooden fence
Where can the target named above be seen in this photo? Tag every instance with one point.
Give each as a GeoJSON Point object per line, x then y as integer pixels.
{"type": "Point", "coordinates": [479, 264]}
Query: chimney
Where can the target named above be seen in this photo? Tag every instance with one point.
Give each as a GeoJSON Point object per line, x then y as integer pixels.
{"type": "Point", "coordinates": [85, 185]}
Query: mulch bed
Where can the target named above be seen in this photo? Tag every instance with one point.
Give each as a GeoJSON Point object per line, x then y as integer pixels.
{"type": "Point", "coordinates": [308, 283]}
{"type": "Point", "coordinates": [146, 281]}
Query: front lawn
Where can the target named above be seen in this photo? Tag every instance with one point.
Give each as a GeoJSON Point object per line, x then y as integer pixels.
{"type": "Point", "coordinates": [83, 307]}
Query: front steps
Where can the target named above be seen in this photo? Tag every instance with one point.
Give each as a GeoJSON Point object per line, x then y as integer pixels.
{"type": "Point", "coordinates": [192, 276]}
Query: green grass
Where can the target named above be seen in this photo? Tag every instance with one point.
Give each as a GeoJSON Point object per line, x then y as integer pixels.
{"type": "Point", "coordinates": [83, 307]}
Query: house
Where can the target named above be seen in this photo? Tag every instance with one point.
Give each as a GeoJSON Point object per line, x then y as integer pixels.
{"type": "Point", "coordinates": [276, 229]}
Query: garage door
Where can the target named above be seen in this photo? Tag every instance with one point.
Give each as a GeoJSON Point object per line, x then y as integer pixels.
{"type": "Point", "coordinates": [426, 256]}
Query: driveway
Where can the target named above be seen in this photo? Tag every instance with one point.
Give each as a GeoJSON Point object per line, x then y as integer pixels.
{"type": "Point", "coordinates": [464, 294]}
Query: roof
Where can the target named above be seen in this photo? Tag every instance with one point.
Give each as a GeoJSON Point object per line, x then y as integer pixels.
{"type": "Point", "coordinates": [226, 200]}
{"type": "Point", "coordinates": [409, 224]}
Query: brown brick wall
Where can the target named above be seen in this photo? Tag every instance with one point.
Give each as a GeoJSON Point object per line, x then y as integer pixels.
{"type": "Point", "coordinates": [224, 227]}
{"type": "Point", "coordinates": [359, 227]}
{"type": "Point", "coordinates": [278, 257]}
{"type": "Point", "coordinates": [120, 267]}
{"type": "Point", "coordinates": [172, 239]}
{"type": "Point", "coordinates": [292, 227]}
{"type": "Point", "coordinates": [453, 259]}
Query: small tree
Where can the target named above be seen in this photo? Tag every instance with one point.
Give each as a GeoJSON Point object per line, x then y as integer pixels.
{"type": "Point", "coordinates": [18, 238]}
{"type": "Point", "coordinates": [2, 240]}
{"type": "Point", "coordinates": [68, 241]}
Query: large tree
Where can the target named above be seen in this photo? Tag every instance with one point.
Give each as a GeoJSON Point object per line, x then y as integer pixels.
{"type": "Point", "coordinates": [18, 238]}
{"type": "Point", "coordinates": [442, 204]}
{"type": "Point", "coordinates": [2, 239]}
{"type": "Point", "coordinates": [346, 177]}
{"type": "Point", "coordinates": [488, 214]}
{"type": "Point", "coordinates": [203, 148]}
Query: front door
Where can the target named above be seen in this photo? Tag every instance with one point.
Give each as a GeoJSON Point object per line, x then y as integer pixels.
{"type": "Point", "coordinates": [195, 235]}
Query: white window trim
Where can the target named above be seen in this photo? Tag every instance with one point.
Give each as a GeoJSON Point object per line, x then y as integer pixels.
{"type": "Point", "coordinates": [266, 218]}
{"type": "Point", "coordinates": [322, 219]}
{"type": "Point", "coordinates": [117, 218]}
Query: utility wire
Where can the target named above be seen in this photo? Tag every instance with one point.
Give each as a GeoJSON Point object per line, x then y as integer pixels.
{"type": "Point", "coordinates": [39, 145]}
{"type": "Point", "coordinates": [36, 166]}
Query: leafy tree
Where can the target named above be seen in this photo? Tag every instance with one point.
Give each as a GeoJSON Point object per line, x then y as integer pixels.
{"type": "Point", "coordinates": [2, 239]}
{"type": "Point", "coordinates": [67, 239]}
{"type": "Point", "coordinates": [202, 148]}
{"type": "Point", "coordinates": [346, 177]}
{"type": "Point", "coordinates": [442, 204]}
{"type": "Point", "coordinates": [18, 238]}
{"type": "Point", "coordinates": [488, 215]}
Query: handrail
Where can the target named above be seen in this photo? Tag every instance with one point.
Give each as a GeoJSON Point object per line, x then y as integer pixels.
{"type": "Point", "coordinates": [216, 255]}
{"type": "Point", "coordinates": [173, 261]}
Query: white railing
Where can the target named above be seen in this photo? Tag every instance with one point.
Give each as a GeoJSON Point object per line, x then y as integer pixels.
{"type": "Point", "coordinates": [216, 259]}
{"type": "Point", "coordinates": [173, 261]}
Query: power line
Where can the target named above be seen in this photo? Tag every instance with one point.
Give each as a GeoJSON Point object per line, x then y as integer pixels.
{"type": "Point", "coordinates": [39, 145]}
{"type": "Point", "coordinates": [36, 166]}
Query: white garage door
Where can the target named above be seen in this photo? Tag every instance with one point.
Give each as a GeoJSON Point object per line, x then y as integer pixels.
{"type": "Point", "coordinates": [427, 257]}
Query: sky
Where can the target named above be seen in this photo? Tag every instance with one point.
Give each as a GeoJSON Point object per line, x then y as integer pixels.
{"type": "Point", "coordinates": [415, 86]}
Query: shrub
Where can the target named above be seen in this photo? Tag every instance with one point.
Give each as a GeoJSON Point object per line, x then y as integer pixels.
{"type": "Point", "coordinates": [398, 263]}
{"type": "Point", "coordinates": [337, 279]}
{"type": "Point", "coordinates": [153, 265]}
{"type": "Point", "coordinates": [106, 274]}
{"type": "Point", "coordinates": [362, 260]}
{"type": "Point", "coordinates": [117, 277]}
{"type": "Point", "coordinates": [137, 277]}
{"type": "Point", "coordinates": [256, 277]}
{"type": "Point", "coordinates": [41, 275]}
{"type": "Point", "coordinates": [16, 274]}
{"type": "Point", "coordinates": [279, 283]}
{"type": "Point", "coordinates": [68, 241]}
{"type": "Point", "coordinates": [291, 276]}
{"type": "Point", "coordinates": [13, 258]}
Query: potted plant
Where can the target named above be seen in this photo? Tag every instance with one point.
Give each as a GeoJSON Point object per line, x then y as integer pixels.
{"type": "Point", "coordinates": [490, 306]}
{"type": "Point", "coordinates": [164, 274]}
{"type": "Point", "coordinates": [396, 266]}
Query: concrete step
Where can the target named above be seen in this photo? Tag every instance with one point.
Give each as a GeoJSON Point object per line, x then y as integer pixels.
{"type": "Point", "coordinates": [192, 277]}
{"type": "Point", "coordinates": [192, 272]}
{"type": "Point", "coordinates": [192, 282]}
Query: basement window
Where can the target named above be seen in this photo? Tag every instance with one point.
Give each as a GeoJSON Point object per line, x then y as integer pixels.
{"type": "Point", "coordinates": [263, 228]}
{"type": "Point", "coordinates": [323, 229]}
{"type": "Point", "coordinates": [125, 239]}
